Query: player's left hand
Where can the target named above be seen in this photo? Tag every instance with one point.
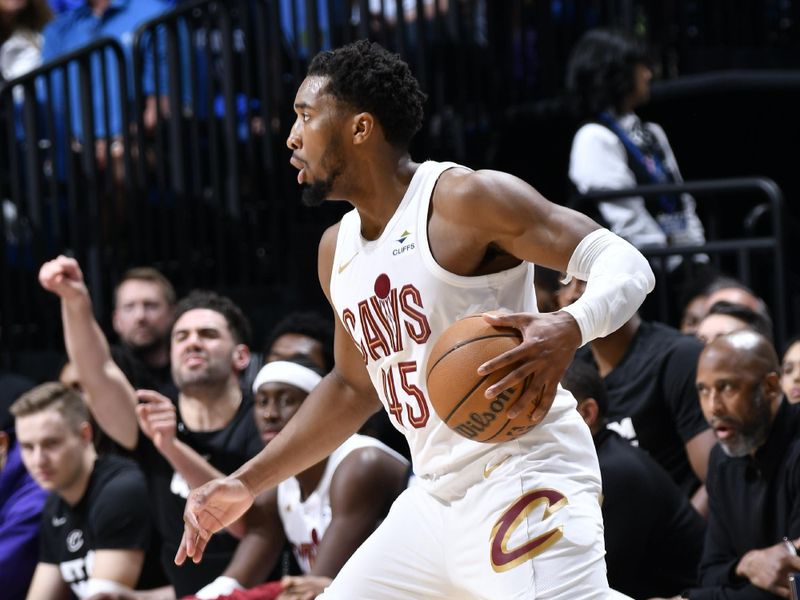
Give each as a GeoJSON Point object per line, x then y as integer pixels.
{"type": "Point", "coordinates": [304, 587]}
{"type": "Point", "coordinates": [549, 342]}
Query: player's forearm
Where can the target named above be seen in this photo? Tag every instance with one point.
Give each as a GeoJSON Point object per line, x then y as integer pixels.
{"type": "Point", "coordinates": [328, 416]}
{"type": "Point", "coordinates": [618, 278]}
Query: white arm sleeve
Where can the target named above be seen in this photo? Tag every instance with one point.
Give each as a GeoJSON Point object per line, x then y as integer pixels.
{"type": "Point", "coordinates": [617, 280]}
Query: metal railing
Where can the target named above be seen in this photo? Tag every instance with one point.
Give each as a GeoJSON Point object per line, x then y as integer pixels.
{"type": "Point", "coordinates": [742, 247]}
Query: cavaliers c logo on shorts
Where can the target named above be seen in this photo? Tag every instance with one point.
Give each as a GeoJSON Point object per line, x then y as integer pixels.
{"type": "Point", "coordinates": [504, 558]}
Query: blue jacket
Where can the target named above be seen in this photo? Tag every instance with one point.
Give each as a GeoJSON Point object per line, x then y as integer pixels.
{"type": "Point", "coordinates": [79, 27]}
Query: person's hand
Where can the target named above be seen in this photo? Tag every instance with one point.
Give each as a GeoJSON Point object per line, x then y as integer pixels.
{"type": "Point", "coordinates": [157, 417]}
{"type": "Point", "coordinates": [304, 587]}
{"type": "Point", "coordinates": [63, 277]}
{"type": "Point", "coordinates": [549, 342]}
{"type": "Point", "coordinates": [209, 508]}
{"type": "Point", "coordinates": [115, 596]}
{"type": "Point", "coordinates": [769, 568]}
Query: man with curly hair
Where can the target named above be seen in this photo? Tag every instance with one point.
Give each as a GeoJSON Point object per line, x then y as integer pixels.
{"type": "Point", "coordinates": [425, 245]}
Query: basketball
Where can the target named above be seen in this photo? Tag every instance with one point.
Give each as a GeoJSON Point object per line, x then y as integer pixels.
{"type": "Point", "coordinates": [456, 391]}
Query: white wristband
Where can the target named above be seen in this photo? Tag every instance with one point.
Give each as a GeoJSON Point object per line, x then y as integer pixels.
{"type": "Point", "coordinates": [221, 586]}
{"type": "Point", "coordinates": [617, 280]}
{"type": "Point", "coordinates": [96, 586]}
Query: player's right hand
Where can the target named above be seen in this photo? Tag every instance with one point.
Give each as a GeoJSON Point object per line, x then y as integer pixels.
{"type": "Point", "coordinates": [211, 507]}
{"type": "Point", "coordinates": [63, 277]}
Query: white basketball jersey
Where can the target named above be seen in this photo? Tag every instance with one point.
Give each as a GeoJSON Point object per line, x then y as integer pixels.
{"type": "Point", "coordinates": [305, 521]}
{"type": "Point", "coordinates": [395, 300]}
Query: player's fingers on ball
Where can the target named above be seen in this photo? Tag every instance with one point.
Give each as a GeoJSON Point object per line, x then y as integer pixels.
{"type": "Point", "coordinates": [543, 406]}
{"type": "Point", "coordinates": [509, 357]}
{"type": "Point", "coordinates": [514, 378]}
{"type": "Point", "coordinates": [526, 400]}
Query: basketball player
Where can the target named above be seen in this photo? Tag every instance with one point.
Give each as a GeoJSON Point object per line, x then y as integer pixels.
{"type": "Point", "coordinates": [425, 245]}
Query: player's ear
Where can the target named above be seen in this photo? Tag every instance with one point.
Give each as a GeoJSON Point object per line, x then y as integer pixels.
{"type": "Point", "coordinates": [363, 127]}
{"type": "Point", "coordinates": [589, 410]}
{"type": "Point", "coordinates": [241, 357]}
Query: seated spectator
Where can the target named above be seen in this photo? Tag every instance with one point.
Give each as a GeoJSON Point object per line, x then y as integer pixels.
{"type": "Point", "coordinates": [546, 283]}
{"type": "Point", "coordinates": [753, 475]}
{"type": "Point", "coordinates": [144, 300]}
{"type": "Point", "coordinates": [326, 511]}
{"type": "Point", "coordinates": [179, 444]}
{"type": "Point", "coordinates": [21, 24]}
{"type": "Point", "coordinates": [648, 370]}
{"type": "Point", "coordinates": [609, 75]}
{"type": "Point", "coordinates": [637, 566]}
{"type": "Point", "coordinates": [21, 501]}
{"type": "Point", "coordinates": [734, 291]}
{"type": "Point", "coordinates": [725, 317]}
{"type": "Point", "coordinates": [302, 333]}
{"type": "Point", "coordinates": [82, 25]}
{"type": "Point", "coordinates": [790, 371]}
{"type": "Point", "coordinates": [96, 523]}
{"type": "Point", "coordinates": [307, 334]}
{"type": "Point", "coordinates": [693, 299]}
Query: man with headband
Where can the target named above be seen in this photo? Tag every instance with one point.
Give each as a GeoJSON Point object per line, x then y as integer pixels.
{"type": "Point", "coordinates": [326, 511]}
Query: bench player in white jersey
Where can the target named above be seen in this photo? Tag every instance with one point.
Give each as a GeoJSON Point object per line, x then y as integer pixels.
{"type": "Point", "coordinates": [425, 245]}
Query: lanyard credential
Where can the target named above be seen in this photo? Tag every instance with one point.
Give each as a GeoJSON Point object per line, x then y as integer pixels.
{"type": "Point", "coordinates": [651, 163]}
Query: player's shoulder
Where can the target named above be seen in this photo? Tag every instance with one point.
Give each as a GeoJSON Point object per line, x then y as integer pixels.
{"type": "Point", "coordinates": [464, 194]}
{"type": "Point", "coordinates": [117, 479]}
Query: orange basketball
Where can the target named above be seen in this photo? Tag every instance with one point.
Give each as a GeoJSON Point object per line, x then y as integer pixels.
{"type": "Point", "coordinates": [457, 391]}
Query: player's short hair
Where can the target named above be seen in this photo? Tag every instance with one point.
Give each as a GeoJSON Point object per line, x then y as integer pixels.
{"type": "Point", "coordinates": [238, 323]}
{"type": "Point", "coordinates": [310, 324]}
{"type": "Point", "coordinates": [583, 381]}
{"type": "Point", "coordinates": [151, 275]}
{"type": "Point", "coordinates": [368, 78]}
{"type": "Point", "coordinates": [600, 70]}
{"type": "Point", "coordinates": [52, 396]}
{"type": "Point", "coordinates": [757, 321]}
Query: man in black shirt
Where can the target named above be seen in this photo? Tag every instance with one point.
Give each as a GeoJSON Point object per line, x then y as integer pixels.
{"type": "Point", "coordinates": [648, 370]}
{"type": "Point", "coordinates": [754, 473]}
{"type": "Point", "coordinates": [208, 431]}
{"type": "Point", "coordinates": [144, 300]}
{"type": "Point", "coordinates": [96, 523]}
{"type": "Point", "coordinates": [653, 536]}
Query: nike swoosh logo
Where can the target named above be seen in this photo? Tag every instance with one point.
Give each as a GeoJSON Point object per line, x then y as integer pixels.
{"type": "Point", "coordinates": [489, 469]}
{"type": "Point", "coordinates": [344, 265]}
{"type": "Point", "coordinates": [58, 521]}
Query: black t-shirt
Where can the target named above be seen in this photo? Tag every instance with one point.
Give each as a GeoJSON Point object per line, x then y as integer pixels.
{"type": "Point", "coordinates": [112, 515]}
{"type": "Point", "coordinates": [225, 449]}
{"type": "Point", "coordinates": [652, 399]}
{"type": "Point", "coordinates": [141, 375]}
{"type": "Point", "coordinates": [654, 538]}
{"type": "Point", "coordinates": [753, 502]}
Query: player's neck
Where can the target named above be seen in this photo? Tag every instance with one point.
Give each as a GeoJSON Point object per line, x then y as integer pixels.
{"type": "Point", "coordinates": [382, 188]}
{"type": "Point", "coordinates": [310, 478]}
{"type": "Point", "coordinates": [73, 493]}
{"type": "Point", "coordinates": [210, 407]}
{"type": "Point", "coordinates": [610, 350]}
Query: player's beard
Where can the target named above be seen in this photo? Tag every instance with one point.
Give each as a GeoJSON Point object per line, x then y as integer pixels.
{"type": "Point", "coordinates": [752, 435]}
{"type": "Point", "coordinates": [314, 194]}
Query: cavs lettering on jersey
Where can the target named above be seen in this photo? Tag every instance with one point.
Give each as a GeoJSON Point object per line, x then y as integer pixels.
{"type": "Point", "coordinates": [394, 301]}
{"type": "Point", "coordinates": [305, 521]}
